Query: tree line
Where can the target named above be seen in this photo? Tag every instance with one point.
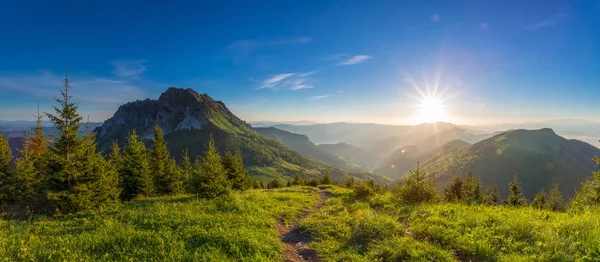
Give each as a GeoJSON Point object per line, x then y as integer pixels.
{"type": "Point", "coordinates": [68, 174]}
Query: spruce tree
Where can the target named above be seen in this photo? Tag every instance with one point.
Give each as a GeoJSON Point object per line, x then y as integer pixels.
{"type": "Point", "coordinates": [417, 188]}
{"type": "Point", "coordinates": [236, 174]}
{"type": "Point", "coordinates": [492, 195]}
{"type": "Point", "coordinates": [6, 171]}
{"type": "Point", "coordinates": [540, 200]}
{"type": "Point", "coordinates": [26, 179]}
{"type": "Point", "coordinates": [471, 188]}
{"type": "Point", "coordinates": [555, 199]}
{"type": "Point", "coordinates": [350, 182]}
{"type": "Point", "coordinates": [135, 177]}
{"type": "Point", "coordinates": [212, 178]}
{"type": "Point", "coordinates": [453, 192]}
{"type": "Point", "coordinates": [516, 197]}
{"type": "Point", "coordinates": [325, 178]}
{"type": "Point", "coordinates": [70, 188]}
{"type": "Point", "coordinates": [115, 159]}
{"type": "Point", "coordinates": [104, 177]}
{"type": "Point", "coordinates": [159, 161]}
{"type": "Point", "coordinates": [175, 181]}
{"type": "Point", "coordinates": [297, 180]}
{"type": "Point", "coordinates": [275, 183]}
{"type": "Point", "coordinates": [39, 142]}
{"type": "Point", "coordinates": [186, 170]}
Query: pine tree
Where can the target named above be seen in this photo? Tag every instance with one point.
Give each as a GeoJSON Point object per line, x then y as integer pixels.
{"type": "Point", "coordinates": [70, 188]}
{"type": "Point", "coordinates": [6, 171]}
{"type": "Point", "coordinates": [516, 197]}
{"type": "Point", "coordinates": [471, 188]}
{"type": "Point", "coordinates": [159, 161]}
{"type": "Point", "coordinates": [194, 180]}
{"type": "Point", "coordinates": [297, 180]}
{"type": "Point", "coordinates": [104, 177]}
{"type": "Point", "coordinates": [274, 183]}
{"type": "Point", "coordinates": [539, 201]}
{"type": "Point", "coordinates": [492, 195]}
{"type": "Point", "coordinates": [186, 170]}
{"type": "Point", "coordinates": [39, 142]}
{"type": "Point", "coordinates": [325, 178]}
{"type": "Point", "coordinates": [350, 182]}
{"type": "Point", "coordinates": [453, 191]}
{"type": "Point", "coordinates": [236, 174]}
{"type": "Point", "coordinates": [27, 182]}
{"type": "Point", "coordinates": [175, 181]}
{"type": "Point", "coordinates": [257, 185]}
{"type": "Point", "coordinates": [115, 159]}
{"type": "Point", "coordinates": [417, 188]}
{"type": "Point", "coordinates": [555, 199]}
{"type": "Point", "coordinates": [289, 184]}
{"type": "Point", "coordinates": [212, 179]}
{"type": "Point", "coordinates": [135, 176]}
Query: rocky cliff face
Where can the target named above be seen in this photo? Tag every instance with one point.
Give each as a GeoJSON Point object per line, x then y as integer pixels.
{"type": "Point", "coordinates": [175, 109]}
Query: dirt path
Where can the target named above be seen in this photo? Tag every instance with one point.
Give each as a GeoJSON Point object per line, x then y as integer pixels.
{"type": "Point", "coordinates": [295, 239]}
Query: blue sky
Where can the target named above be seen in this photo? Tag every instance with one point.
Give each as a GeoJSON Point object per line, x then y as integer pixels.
{"type": "Point", "coordinates": [326, 61]}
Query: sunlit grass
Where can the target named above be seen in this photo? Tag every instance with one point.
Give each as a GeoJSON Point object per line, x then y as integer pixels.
{"type": "Point", "coordinates": [179, 228]}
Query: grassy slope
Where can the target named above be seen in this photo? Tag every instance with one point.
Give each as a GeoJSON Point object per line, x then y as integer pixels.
{"type": "Point", "coordinates": [350, 230]}
{"type": "Point", "coordinates": [180, 228]}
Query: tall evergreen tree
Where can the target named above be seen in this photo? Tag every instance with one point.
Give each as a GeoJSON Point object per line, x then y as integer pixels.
{"type": "Point", "coordinates": [417, 188]}
{"type": "Point", "coordinates": [159, 161]}
{"type": "Point", "coordinates": [135, 177]}
{"type": "Point", "coordinates": [453, 192]}
{"type": "Point", "coordinates": [492, 195]}
{"type": "Point", "coordinates": [6, 170]}
{"type": "Point", "coordinates": [540, 200]}
{"type": "Point", "coordinates": [472, 193]}
{"type": "Point", "coordinates": [275, 183]}
{"type": "Point", "coordinates": [516, 197]}
{"type": "Point", "coordinates": [39, 142]}
{"type": "Point", "coordinates": [212, 177]}
{"type": "Point", "coordinates": [174, 178]}
{"type": "Point", "coordinates": [69, 185]}
{"type": "Point", "coordinates": [104, 177]}
{"type": "Point", "coordinates": [26, 180]}
{"type": "Point", "coordinates": [115, 159]}
{"type": "Point", "coordinates": [326, 178]}
{"type": "Point", "coordinates": [236, 173]}
{"type": "Point", "coordinates": [186, 169]}
{"type": "Point", "coordinates": [349, 182]}
{"type": "Point", "coordinates": [555, 199]}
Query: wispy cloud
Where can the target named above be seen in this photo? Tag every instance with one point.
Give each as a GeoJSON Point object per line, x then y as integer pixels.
{"type": "Point", "coordinates": [547, 22]}
{"type": "Point", "coordinates": [315, 98]}
{"type": "Point", "coordinates": [291, 81]}
{"type": "Point", "coordinates": [355, 60]}
{"type": "Point", "coordinates": [242, 48]}
{"type": "Point", "coordinates": [129, 68]}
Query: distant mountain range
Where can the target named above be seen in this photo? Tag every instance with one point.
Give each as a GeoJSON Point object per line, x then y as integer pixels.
{"type": "Point", "coordinates": [274, 123]}
{"type": "Point", "coordinates": [539, 157]}
{"type": "Point", "coordinates": [189, 119]}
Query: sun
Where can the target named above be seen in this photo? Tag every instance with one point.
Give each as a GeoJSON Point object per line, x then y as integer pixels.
{"type": "Point", "coordinates": [431, 110]}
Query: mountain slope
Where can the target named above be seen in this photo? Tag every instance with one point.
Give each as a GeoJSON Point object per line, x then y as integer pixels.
{"type": "Point", "coordinates": [539, 157]}
{"type": "Point", "coordinates": [189, 119]}
{"type": "Point", "coordinates": [300, 144]}
{"type": "Point", "coordinates": [400, 162]}
{"type": "Point", "coordinates": [352, 155]}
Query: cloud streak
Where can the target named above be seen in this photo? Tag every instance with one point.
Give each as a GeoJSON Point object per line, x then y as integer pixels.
{"type": "Point", "coordinates": [355, 60]}
{"type": "Point", "coordinates": [316, 98]}
{"type": "Point", "coordinates": [291, 81]}
{"type": "Point", "coordinates": [129, 68]}
{"type": "Point", "coordinates": [548, 22]}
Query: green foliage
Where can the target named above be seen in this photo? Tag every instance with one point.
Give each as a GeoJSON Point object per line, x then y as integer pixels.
{"type": "Point", "coordinates": [350, 182]}
{"type": "Point", "coordinates": [540, 200]}
{"type": "Point", "coordinates": [275, 183]}
{"type": "Point", "coordinates": [211, 178]}
{"type": "Point", "coordinates": [177, 228]}
{"type": "Point", "coordinates": [105, 178]}
{"type": "Point", "coordinates": [164, 182]}
{"type": "Point", "coordinates": [74, 168]}
{"type": "Point", "coordinates": [135, 177]}
{"type": "Point", "coordinates": [236, 173]}
{"type": "Point", "coordinates": [516, 197]}
{"type": "Point", "coordinates": [363, 191]}
{"type": "Point", "coordinates": [186, 170]}
{"type": "Point", "coordinates": [297, 181]}
{"type": "Point", "coordinates": [325, 178]}
{"type": "Point", "coordinates": [555, 199]}
{"type": "Point", "coordinates": [588, 194]}
{"type": "Point", "coordinates": [27, 181]}
{"type": "Point", "coordinates": [257, 184]}
{"type": "Point", "coordinates": [417, 188]}
{"type": "Point", "coordinates": [472, 193]}
{"type": "Point", "coordinates": [6, 170]}
{"type": "Point", "coordinates": [492, 196]}
{"type": "Point", "coordinates": [453, 191]}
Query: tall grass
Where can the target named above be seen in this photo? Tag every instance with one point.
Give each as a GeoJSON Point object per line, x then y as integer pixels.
{"type": "Point", "coordinates": [179, 228]}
